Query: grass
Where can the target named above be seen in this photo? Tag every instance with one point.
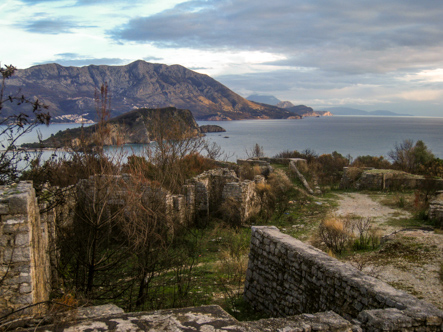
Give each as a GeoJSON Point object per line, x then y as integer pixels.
{"type": "Point", "coordinates": [405, 222]}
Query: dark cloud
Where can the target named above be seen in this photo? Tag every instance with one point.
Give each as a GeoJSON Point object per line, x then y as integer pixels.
{"type": "Point", "coordinates": [338, 35]}
{"type": "Point", "coordinates": [52, 26]}
{"type": "Point", "coordinates": [77, 60]}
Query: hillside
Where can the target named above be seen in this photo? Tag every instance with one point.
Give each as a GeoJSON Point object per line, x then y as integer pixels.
{"type": "Point", "coordinates": [136, 127]}
{"type": "Point", "coordinates": [264, 99]}
{"type": "Point", "coordinates": [69, 91]}
{"type": "Point", "coordinates": [302, 110]}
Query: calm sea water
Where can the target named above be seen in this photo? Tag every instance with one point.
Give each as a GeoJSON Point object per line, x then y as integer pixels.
{"type": "Point", "coordinates": [345, 134]}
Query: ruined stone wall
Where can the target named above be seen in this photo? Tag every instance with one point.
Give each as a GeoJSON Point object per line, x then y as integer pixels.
{"type": "Point", "coordinates": [436, 207]}
{"type": "Point", "coordinates": [24, 259]}
{"type": "Point", "coordinates": [287, 277]}
{"type": "Point", "coordinates": [381, 179]}
{"type": "Point", "coordinates": [201, 196]}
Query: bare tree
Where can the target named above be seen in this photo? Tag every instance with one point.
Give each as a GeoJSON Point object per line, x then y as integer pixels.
{"type": "Point", "coordinates": [256, 152]}
{"type": "Point", "coordinates": [14, 126]}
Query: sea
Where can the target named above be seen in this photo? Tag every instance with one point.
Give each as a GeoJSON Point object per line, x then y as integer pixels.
{"type": "Point", "coordinates": [349, 135]}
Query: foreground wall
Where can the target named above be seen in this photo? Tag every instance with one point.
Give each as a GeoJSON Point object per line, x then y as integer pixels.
{"type": "Point", "coordinates": [24, 260]}
{"type": "Point", "coordinates": [287, 277]}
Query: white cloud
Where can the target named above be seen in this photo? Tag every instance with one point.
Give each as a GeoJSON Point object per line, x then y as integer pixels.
{"type": "Point", "coordinates": [422, 95]}
{"type": "Point", "coordinates": [431, 75]}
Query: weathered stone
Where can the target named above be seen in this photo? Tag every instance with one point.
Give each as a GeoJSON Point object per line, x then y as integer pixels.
{"type": "Point", "coordinates": [322, 283]}
{"type": "Point", "coordinates": [24, 253]}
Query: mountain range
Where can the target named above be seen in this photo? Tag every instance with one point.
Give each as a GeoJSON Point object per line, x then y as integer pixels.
{"type": "Point", "coordinates": [308, 111]}
{"type": "Point", "coordinates": [300, 110]}
{"type": "Point", "coordinates": [69, 92]}
{"type": "Point", "coordinates": [354, 111]}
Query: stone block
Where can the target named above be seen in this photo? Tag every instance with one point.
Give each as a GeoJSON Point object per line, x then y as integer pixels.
{"type": "Point", "coordinates": [17, 255]}
{"type": "Point", "coordinates": [22, 239]}
{"type": "Point", "coordinates": [25, 288]}
{"type": "Point", "coordinates": [18, 203]}
{"type": "Point", "coordinates": [25, 299]}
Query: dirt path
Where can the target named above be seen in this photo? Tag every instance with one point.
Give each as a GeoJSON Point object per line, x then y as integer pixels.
{"type": "Point", "coordinates": [411, 260]}
{"type": "Point", "coordinates": [363, 206]}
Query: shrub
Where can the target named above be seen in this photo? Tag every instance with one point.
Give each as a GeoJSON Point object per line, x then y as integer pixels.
{"type": "Point", "coordinates": [335, 233]}
{"type": "Point", "coordinates": [371, 161]}
{"type": "Point", "coordinates": [329, 168]}
{"type": "Point", "coordinates": [409, 157]}
{"type": "Point", "coordinates": [248, 172]}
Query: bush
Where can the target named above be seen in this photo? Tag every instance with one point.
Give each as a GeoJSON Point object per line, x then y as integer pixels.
{"type": "Point", "coordinates": [329, 168]}
{"type": "Point", "coordinates": [335, 233]}
{"type": "Point", "coordinates": [248, 172]}
{"type": "Point", "coordinates": [371, 161]}
{"type": "Point", "coordinates": [409, 157]}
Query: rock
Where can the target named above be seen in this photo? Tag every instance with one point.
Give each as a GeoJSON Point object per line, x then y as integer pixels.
{"type": "Point", "coordinates": [211, 129]}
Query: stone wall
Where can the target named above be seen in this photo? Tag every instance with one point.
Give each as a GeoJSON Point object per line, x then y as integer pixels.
{"type": "Point", "coordinates": [436, 208]}
{"type": "Point", "coordinates": [24, 259]}
{"type": "Point", "coordinates": [385, 179]}
{"type": "Point", "coordinates": [201, 196]}
{"type": "Point", "coordinates": [287, 277]}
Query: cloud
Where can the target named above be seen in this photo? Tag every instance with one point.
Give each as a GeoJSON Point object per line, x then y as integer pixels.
{"type": "Point", "coordinates": [52, 26]}
{"type": "Point", "coordinates": [34, 2]}
{"type": "Point", "coordinates": [152, 58]}
{"type": "Point", "coordinates": [352, 37]}
{"type": "Point", "coordinates": [74, 59]}
{"type": "Point", "coordinates": [432, 75]}
{"type": "Point", "coordinates": [422, 95]}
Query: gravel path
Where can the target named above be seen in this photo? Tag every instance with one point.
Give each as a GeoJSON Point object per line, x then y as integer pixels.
{"type": "Point", "coordinates": [363, 206]}
{"type": "Point", "coordinates": [413, 265]}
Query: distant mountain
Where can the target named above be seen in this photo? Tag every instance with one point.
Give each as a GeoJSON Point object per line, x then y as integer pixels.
{"type": "Point", "coordinates": [304, 111]}
{"type": "Point", "coordinates": [285, 104]}
{"type": "Point", "coordinates": [354, 111]}
{"type": "Point", "coordinates": [140, 126]}
{"type": "Point", "coordinates": [69, 91]}
{"type": "Point", "coordinates": [264, 99]}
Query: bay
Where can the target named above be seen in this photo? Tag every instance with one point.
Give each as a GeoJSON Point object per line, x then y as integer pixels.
{"type": "Point", "coordinates": [348, 135]}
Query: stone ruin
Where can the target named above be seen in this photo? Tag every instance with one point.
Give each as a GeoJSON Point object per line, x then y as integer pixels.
{"type": "Point", "coordinates": [436, 207]}
{"type": "Point", "coordinates": [369, 178]}
{"type": "Point", "coordinates": [303, 287]}
{"type": "Point", "coordinates": [24, 259]}
{"type": "Point", "coordinates": [286, 277]}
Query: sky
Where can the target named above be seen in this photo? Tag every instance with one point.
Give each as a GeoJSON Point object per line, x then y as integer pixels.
{"type": "Point", "coordinates": [365, 54]}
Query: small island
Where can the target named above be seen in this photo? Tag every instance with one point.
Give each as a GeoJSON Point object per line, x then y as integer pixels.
{"type": "Point", "coordinates": [211, 129]}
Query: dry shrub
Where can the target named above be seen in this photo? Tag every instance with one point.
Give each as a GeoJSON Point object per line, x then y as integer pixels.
{"type": "Point", "coordinates": [230, 210]}
{"type": "Point", "coordinates": [357, 232]}
{"type": "Point", "coordinates": [354, 173]}
{"type": "Point", "coordinates": [248, 172]}
{"type": "Point", "coordinates": [303, 167]}
{"type": "Point", "coordinates": [335, 233]}
{"type": "Point", "coordinates": [194, 164]}
{"type": "Point", "coordinates": [371, 161]}
{"type": "Point", "coordinates": [274, 194]}
{"type": "Point", "coordinates": [279, 182]}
